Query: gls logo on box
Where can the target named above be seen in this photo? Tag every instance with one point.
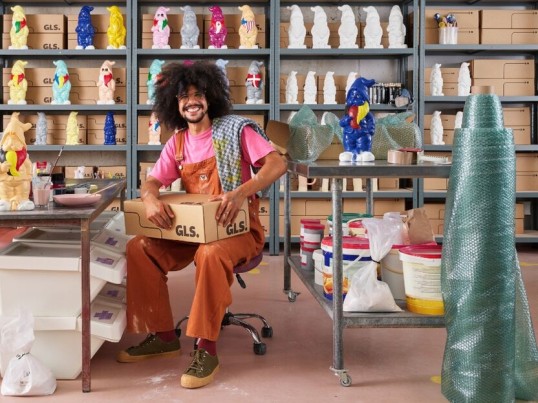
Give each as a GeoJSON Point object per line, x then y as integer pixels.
{"type": "Point", "coordinates": [236, 228]}
{"type": "Point", "coordinates": [183, 230]}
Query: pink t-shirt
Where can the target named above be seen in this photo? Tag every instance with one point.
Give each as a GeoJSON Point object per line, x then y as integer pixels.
{"type": "Point", "coordinates": [200, 147]}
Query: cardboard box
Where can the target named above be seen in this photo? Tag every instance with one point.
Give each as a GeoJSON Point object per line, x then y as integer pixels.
{"type": "Point", "coordinates": [526, 182]}
{"type": "Point", "coordinates": [522, 134]}
{"type": "Point", "coordinates": [39, 23]}
{"type": "Point", "coordinates": [449, 89]}
{"type": "Point", "coordinates": [510, 87]}
{"type": "Point", "coordinates": [508, 19]}
{"type": "Point", "coordinates": [448, 136]}
{"type": "Point", "coordinates": [232, 23]}
{"type": "Point", "coordinates": [39, 41]}
{"type": "Point", "coordinates": [526, 162]}
{"type": "Point", "coordinates": [100, 40]}
{"type": "Point", "coordinates": [517, 116]}
{"type": "Point", "coordinates": [493, 68]}
{"type": "Point", "coordinates": [521, 36]}
{"type": "Point", "coordinates": [448, 121]}
{"type": "Point", "coordinates": [466, 18]}
{"type": "Point", "coordinates": [466, 36]}
{"type": "Point", "coordinates": [194, 219]}
{"type": "Point", "coordinates": [449, 74]}
{"type": "Point", "coordinates": [435, 184]}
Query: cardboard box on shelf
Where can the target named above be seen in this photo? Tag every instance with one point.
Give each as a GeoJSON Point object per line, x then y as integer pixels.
{"type": "Point", "coordinates": [514, 116]}
{"type": "Point", "coordinates": [100, 40]}
{"type": "Point", "coordinates": [497, 36]}
{"type": "Point", "coordinates": [508, 19]}
{"type": "Point", "coordinates": [39, 41]}
{"type": "Point", "coordinates": [496, 68]}
{"type": "Point", "coordinates": [194, 219]}
{"type": "Point", "coordinates": [56, 134]}
{"type": "Point", "coordinates": [232, 23]}
{"type": "Point", "coordinates": [90, 95]}
{"type": "Point", "coordinates": [100, 22]}
{"type": "Point", "coordinates": [466, 17]}
{"type": "Point", "coordinates": [78, 76]}
{"type": "Point", "coordinates": [95, 132]}
{"type": "Point", "coordinates": [509, 87]}
{"type": "Point", "coordinates": [526, 162]}
{"type": "Point", "coordinates": [466, 36]}
{"type": "Point", "coordinates": [448, 121]}
{"type": "Point", "coordinates": [449, 89]}
{"type": "Point", "coordinates": [522, 134]}
{"type": "Point", "coordinates": [112, 172]}
{"type": "Point", "coordinates": [435, 211]}
{"type": "Point", "coordinates": [449, 74]}
{"type": "Point", "coordinates": [39, 23]}
{"type": "Point", "coordinates": [435, 184]}
{"type": "Point", "coordinates": [69, 172]}
{"type": "Point", "coordinates": [526, 182]}
{"type": "Point", "coordinates": [448, 136]}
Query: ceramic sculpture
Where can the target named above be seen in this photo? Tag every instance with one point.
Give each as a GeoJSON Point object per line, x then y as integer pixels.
{"type": "Point", "coordinates": [85, 30]}
{"type": "Point", "coordinates": [79, 172]}
{"type": "Point", "coordinates": [248, 31]}
{"type": "Point", "coordinates": [372, 30]}
{"type": "Point", "coordinates": [292, 88]}
{"type": "Point", "coordinates": [296, 29]}
{"type": "Point", "coordinates": [358, 123]}
{"type": "Point", "coordinates": [15, 167]}
{"type": "Point", "coordinates": [320, 29]}
{"type": "Point", "coordinates": [41, 129]}
{"type": "Point", "coordinates": [106, 84]}
{"type": "Point", "coordinates": [110, 129]}
{"type": "Point", "coordinates": [72, 129]}
{"type": "Point", "coordinates": [396, 28]}
{"type": "Point", "coordinates": [154, 130]}
{"type": "Point", "coordinates": [61, 85]}
{"type": "Point", "coordinates": [458, 120]}
{"type": "Point", "coordinates": [254, 83]}
{"type": "Point", "coordinates": [116, 29]}
{"type": "Point", "coordinates": [436, 80]}
{"type": "Point", "coordinates": [351, 77]}
{"type": "Point", "coordinates": [161, 29]}
{"type": "Point", "coordinates": [436, 129]}
{"type": "Point", "coordinates": [18, 85]}
{"type": "Point", "coordinates": [464, 80]}
{"type": "Point", "coordinates": [221, 64]}
{"type": "Point", "coordinates": [153, 74]}
{"type": "Point", "coordinates": [217, 29]}
{"type": "Point", "coordinates": [19, 29]}
{"type": "Point", "coordinates": [347, 31]}
{"type": "Point", "coordinates": [189, 29]}
{"type": "Point", "coordinates": [310, 88]}
{"type": "Point", "coordinates": [329, 89]}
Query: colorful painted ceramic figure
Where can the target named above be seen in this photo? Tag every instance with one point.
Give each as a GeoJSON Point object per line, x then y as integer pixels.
{"type": "Point", "coordinates": [358, 122]}
{"type": "Point", "coordinates": [347, 31]}
{"type": "Point", "coordinates": [116, 29]}
{"type": "Point", "coordinates": [18, 84]}
{"type": "Point", "coordinates": [72, 130]}
{"type": "Point", "coordinates": [248, 31]}
{"type": "Point", "coordinates": [189, 31]}
{"type": "Point", "coordinates": [161, 29]}
{"type": "Point", "coordinates": [19, 29]}
{"type": "Point", "coordinates": [154, 130]}
{"type": "Point", "coordinates": [85, 30]}
{"type": "Point", "coordinates": [153, 74]}
{"type": "Point", "coordinates": [110, 129]}
{"type": "Point", "coordinates": [15, 167]}
{"type": "Point", "coordinates": [106, 84]}
{"type": "Point", "coordinates": [217, 30]}
{"type": "Point", "coordinates": [254, 83]}
{"type": "Point", "coordinates": [41, 129]}
{"type": "Point", "coordinates": [61, 85]}
{"type": "Point", "coordinates": [296, 29]}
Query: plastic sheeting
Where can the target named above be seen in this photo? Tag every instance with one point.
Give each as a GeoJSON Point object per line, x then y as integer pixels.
{"type": "Point", "coordinates": [490, 353]}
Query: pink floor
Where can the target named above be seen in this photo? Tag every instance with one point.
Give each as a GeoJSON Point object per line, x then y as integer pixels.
{"type": "Point", "coordinates": [386, 365]}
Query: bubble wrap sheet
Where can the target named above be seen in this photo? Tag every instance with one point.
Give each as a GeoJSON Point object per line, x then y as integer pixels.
{"type": "Point", "coordinates": [490, 353]}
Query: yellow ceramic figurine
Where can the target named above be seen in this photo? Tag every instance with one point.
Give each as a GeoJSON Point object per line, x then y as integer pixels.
{"type": "Point", "coordinates": [15, 167]}
{"type": "Point", "coordinates": [116, 30]}
{"type": "Point", "coordinates": [17, 84]}
{"type": "Point", "coordinates": [19, 29]}
{"type": "Point", "coordinates": [71, 129]}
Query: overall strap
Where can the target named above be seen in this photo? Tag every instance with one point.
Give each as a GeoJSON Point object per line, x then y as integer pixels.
{"type": "Point", "coordinates": [180, 140]}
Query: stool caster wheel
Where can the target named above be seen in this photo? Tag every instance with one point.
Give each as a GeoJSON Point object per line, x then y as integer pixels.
{"type": "Point", "coordinates": [267, 331]}
{"type": "Point", "coordinates": [260, 348]}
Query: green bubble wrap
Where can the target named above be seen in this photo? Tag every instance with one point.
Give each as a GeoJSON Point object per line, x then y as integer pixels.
{"type": "Point", "coordinates": [490, 353]}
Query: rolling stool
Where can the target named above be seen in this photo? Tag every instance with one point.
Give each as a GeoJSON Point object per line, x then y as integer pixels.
{"type": "Point", "coordinates": [238, 319]}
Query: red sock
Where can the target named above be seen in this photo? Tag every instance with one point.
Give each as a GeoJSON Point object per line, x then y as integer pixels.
{"type": "Point", "coordinates": [167, 336]}
{"type": "Point", "coordinates": [208, 345]}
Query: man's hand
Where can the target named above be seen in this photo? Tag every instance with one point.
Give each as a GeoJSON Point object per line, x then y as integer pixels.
{"type": "Point", "coordinates": [159, 213]}
{"type": "Point", "coordinates": [229, 207]}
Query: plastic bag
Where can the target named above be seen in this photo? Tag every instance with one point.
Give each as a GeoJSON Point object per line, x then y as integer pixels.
{"type": "Point", "coordinates": [367, 293]}
{"type": "Point", "coordinates": [393, 132]}
{"type": "Point", "coordinates": [25, 375]}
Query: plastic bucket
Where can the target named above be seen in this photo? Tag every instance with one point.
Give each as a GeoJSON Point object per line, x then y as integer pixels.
{"type": "Point", "coordinates": [422, 278]}
{"type": "Point", "coordinates": [317, 256]}
{"type": "Point", "coordinates": [355, 254]}
{"type": "Point", "coordinates": [355, 226]}
{"type": "Point", "coordinates": [312, 232]}
{"type": "Point", "coordinates": [307, 251]}
{"type": "Point", "coordinates": [392, 272]}
{"type": "Point", "coordinates": [346, 217]}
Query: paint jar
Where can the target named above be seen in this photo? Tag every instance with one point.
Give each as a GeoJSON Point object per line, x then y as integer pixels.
{"type": "Point", "coordinates": [346, 218]}
{"type": "Point", "coordinates": [307, 250]}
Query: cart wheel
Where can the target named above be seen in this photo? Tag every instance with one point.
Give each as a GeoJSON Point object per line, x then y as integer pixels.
{"type": "Point", "coordinates": [345, 380]}
{"type": "Point", "coordinates": [260, 348]}
{"type": "Point", "coordinates": [178, 332]}
{"type": "Point", "coordinates": [267, 331]}
{"type": "Point", "coordinates": [292, 296]}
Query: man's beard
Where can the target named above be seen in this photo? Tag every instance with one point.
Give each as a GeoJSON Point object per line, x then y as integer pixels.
{"type": "Point", "coordinates": [195, 120]}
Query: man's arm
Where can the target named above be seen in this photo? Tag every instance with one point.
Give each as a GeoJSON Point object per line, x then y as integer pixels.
{"type": "Point", "coordinates": [157, 212]}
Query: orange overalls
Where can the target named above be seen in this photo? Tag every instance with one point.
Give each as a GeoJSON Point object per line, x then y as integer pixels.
{"type": "Point", "coordinates": [150, 259]}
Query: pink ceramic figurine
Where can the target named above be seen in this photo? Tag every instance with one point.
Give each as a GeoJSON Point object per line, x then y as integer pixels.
{"type": "Point", "coordinates": [217, 30]}
{"type": "Point", "coordinates": [161, 29]}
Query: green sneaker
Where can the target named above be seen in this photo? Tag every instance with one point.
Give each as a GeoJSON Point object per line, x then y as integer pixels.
{"type": "Point", "coordinates": [202, 370]}
{"type": "Point", "coordinates": [151, 347]}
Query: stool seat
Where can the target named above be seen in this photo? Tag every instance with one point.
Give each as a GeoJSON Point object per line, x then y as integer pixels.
{"type": "Point", "coordinates": [238, 319]}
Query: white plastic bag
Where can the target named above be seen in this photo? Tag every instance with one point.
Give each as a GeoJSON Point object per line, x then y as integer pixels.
{"type": "Point", "coordinates": [25, 375]}
{"type": "Point", "coordinates": [367, 293]}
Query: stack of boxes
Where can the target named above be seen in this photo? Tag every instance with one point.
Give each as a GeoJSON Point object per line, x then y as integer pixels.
{"type": "Point", "coordinates": [509, 27]}
{"type": "Point", "coordinates": [40, 272]}
{"type": "Point", "coordinates": [526, 172]}
{"type": "Point", "coordinates": [512, 77]}
{"type": "Point", "coordinates": [467, 20]}
{"type": "Point", "coordinates": [46, 31]}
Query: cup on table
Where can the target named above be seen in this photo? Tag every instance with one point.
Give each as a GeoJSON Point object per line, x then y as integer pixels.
{"type": "Point", "coordinates": [81, 190]}
{"type": "Point", "coordinates": [41, 191]}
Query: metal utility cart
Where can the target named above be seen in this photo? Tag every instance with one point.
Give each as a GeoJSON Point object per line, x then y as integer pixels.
{"type": "Point", "coordinates": [337, 171]}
